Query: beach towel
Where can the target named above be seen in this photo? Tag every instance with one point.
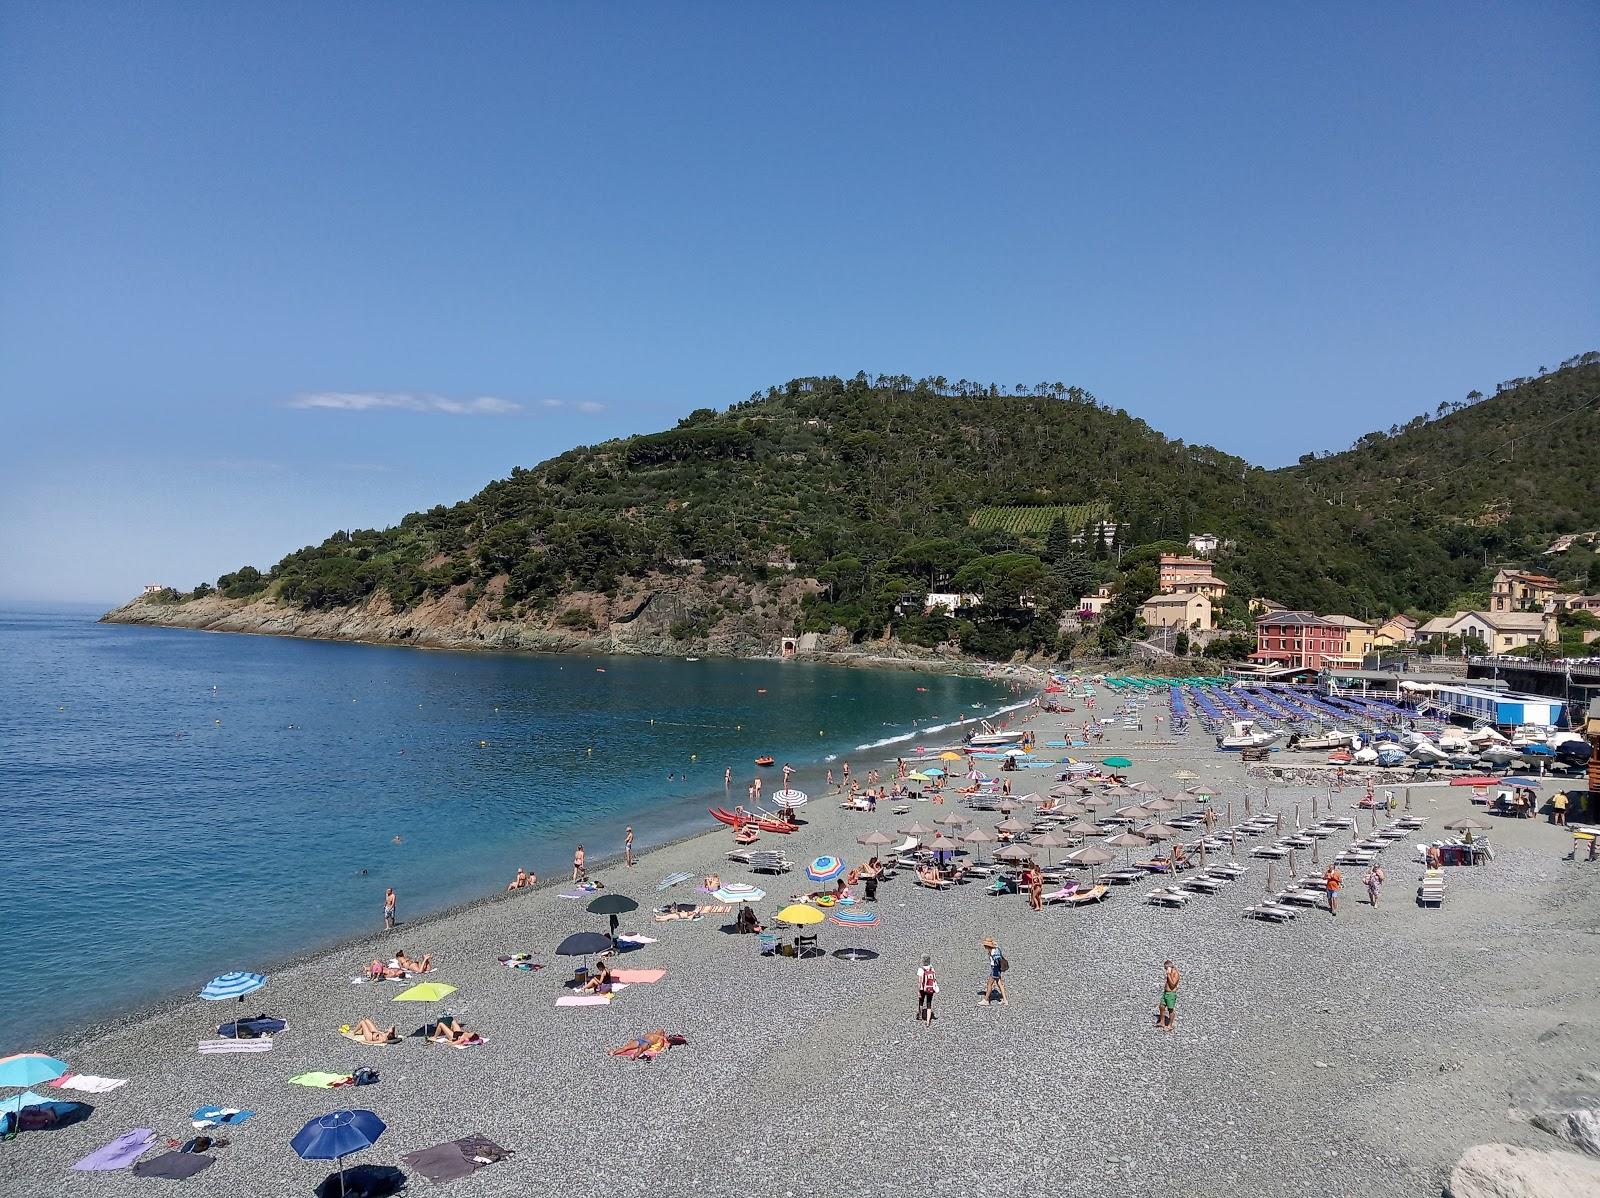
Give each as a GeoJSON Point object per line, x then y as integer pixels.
{"type": "Point", "coordinates": [88, 1083]}
{"type": "Point", "coordinates": [523, 961]}
{"type": "Point", "coordinates": [356, 1038]}
{"type": "Point", "coordinates": [671, 880]}
{"type": "Point", "coordinates": [583, 1000]}
{"type": "Point", "coordinates": [321, 1081]}
{"type": "Point", "coordinates": [212, 1046]}
{"type": "Point", "coordinates": [632, 938]}
{"type": "Point", "coordinates": [210, 1116]}
{"type": "Point", "coordinates": [176, 1165]}
{"type": "Point", "coordinates": [455, 1159]}
{"type": "Point", "coordinates": [645, 976]}
{"type": "Point", "coordinates": [120, 1153]}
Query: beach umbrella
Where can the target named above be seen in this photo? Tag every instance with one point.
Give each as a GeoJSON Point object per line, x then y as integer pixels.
{"type": "Point", "coordinates": [434, 991]}
{"type": "Point", "coordinates": [29, 1068]}
{"type": "Point", "coordinates": [1184, 776]}
{"type": "Point", "coordinates": [232, 985]}
{"type": "Point", "coordinates": [738, 892]}
{"type": "Point", "coordinates": [917, 829]}
{"type": "Point", "coordinates": [335, 1136]}
{"type": "Point", "coordinates": [799, 915]}
{"type": "Point", "coordinates": [612, 905]}
{"type": "Point", "coordinates": [824, 868]}
{"type": "Point", "coordinates": [1067, 809]}
{"type": "Point", "coordinates": [949, 755]}
{"type": "Point", "coordinates": [27, 1098]}
{"type": "Point", "coordinates": [789, 798]}
{"type": "Point", "coordinates": [1160, 832]}
{"type": "Point", "coordinates": [583, 944]}
{"type": "Point", "coordinates": [1083, 827]}
{"type": "Point", "coordinates": [1093, 856]}
{"type": "Point", "coordinates": [1142, 787]}
{"type": "Point", "coordinates": [1015, 852]}
{"type": "Point", "coordinates": [1129, 841]}
{"type": "Point", "coordinates": [851, 917]}
{"type": "Point", "coordinates": [1007, 806]}
{"type": "Point", "coordinates": [1135, 812]}
{"type": "Point", "coordinates": [1096, 802]}
{"type": "Point", "coordinates": [1159, 804]}
{"type": "Point", "coordinates": [1294, 866]}
{"type": "Point", "coordinates": [941, 844]}
{"type": "Point", "coordinates": [978, 837]}
{"type": "Point", "coordinates": [875, 839]}
{"type": "Point", "coordinates": [1050, 841]}
{"type": "Point", "coordinates": [1468, 823]}
{"type": "Point", "coordinates": [1011, 826]}
{"type": "Point", "coordinates": [1202, 792]}
{"type": "Point", "coordinates": [934, 773]}
{"type": "Point", "coordinates": [918, 776]}
{"type": "Point", "coordinates": [1116, 763]}
{"type": "Point", "coordinates": [954, 820]}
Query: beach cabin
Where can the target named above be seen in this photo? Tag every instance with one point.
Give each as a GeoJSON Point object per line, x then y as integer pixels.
{"type": "Point", "coordinates": [1503, 709]}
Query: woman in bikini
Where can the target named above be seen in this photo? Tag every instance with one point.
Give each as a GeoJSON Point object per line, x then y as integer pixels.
{"type": "Point", "coordinates": [371, 1033]}
{"type": "Point", "coordinates": [449, 1030]}
{"type": "Point", "coordinates": [406, 963]}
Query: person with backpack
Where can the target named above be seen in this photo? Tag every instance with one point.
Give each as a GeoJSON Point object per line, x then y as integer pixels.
{"type": "Point", "coordinates": [997, 966]}
{"type": "Point", "coordinates": [927, 987]}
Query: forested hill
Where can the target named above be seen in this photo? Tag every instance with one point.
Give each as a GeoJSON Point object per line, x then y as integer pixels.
{"type": "Point", "coordinates": [834, 503]}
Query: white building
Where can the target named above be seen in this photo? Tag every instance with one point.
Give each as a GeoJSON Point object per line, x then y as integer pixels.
{"type": "Point", "coordinates": [948, 602]}
{"type": "Point", "coordinates": [1204, 543]}
{"type": "Point", "coordinates": [154, 588]}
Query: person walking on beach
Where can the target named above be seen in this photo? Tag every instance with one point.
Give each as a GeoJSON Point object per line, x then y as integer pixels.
{"type": "Point", "coordinates": [1558, 809]}
{"type": "Point", "coordinates": [388, 907]}
{"type": "Point", "coordinates": [927, 987]}
{"type": "Point", "coordinates": [1375, 881]}
{"type": "Point", "coordinates": [997, 966]}
{"type": "Point", "coordinates": [1332, 879]}
{"type": "Point", "coordinates": [1036, 889]}
{"type": "Point", "coordinates": [577, 864]}
{"type": "Point", "coordinates": [1167, 1007]}
{"type": "Point", "coordinates": [627, 847]}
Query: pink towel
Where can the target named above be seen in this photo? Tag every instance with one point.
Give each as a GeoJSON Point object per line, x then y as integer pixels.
{"type": "Point", "coordinates": [583, 1000]}
{"type": "Point", "coordinates": [638, 975]}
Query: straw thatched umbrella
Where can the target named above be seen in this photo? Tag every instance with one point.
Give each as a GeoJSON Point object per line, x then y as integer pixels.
{"type": "Point", "coordinates": [1015, 853]}
{"type": "Point", "coordinates": [1011, 826]}
{"type": "Point", "coordinates": [1159, 804]}
{"type": "Point", "coordinates": [1160, 832]}
{"type": "Point", "coordinates": [875, 839]}
{"type": "Point", "coordinates": [1083, 827]}
{"type": "Point", "coordinates": [1135, 812]}
{"type": "Point", "coordinates": [1067, 809]}
{"type": "Point", "coordinates": [1096, 803]}
{"type": "Point", "coordinates": [954, 820]}
{"type": "Point", "coordinates": [917, 829]}
{"type": "Point", "coordinates": [1142, 787]}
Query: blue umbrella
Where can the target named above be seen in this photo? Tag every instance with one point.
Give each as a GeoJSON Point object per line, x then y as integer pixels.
{"type": "Point", "coordinates": [334, 1137]}
{"type": "Point", "coordinates": [233, 985]}
{"type": "Point", "coordinates": [29, 1068]}
{"type": "Point", "coordinates": [825, 869]}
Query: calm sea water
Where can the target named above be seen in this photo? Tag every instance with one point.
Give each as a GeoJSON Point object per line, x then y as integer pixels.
{"type": "Point", "coordinates": [178, 804]}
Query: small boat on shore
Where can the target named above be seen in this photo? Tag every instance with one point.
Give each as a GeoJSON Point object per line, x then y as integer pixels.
{"type": "Point", "coordinates": [1244, 734]}
{"type": "Point", "coordinates": [764, 761]}
{"type": "Point", "coordinates": [740, 818]}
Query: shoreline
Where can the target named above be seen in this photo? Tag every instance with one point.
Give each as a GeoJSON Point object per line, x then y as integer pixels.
{"type": "Point", "coordinates": [1379, 1044]}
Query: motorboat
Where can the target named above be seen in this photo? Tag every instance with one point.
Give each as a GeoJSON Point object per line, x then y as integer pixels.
{"type": "Point", "coordinates": [1426, 750]}
{"type": "Point", "coordinates": [1498, 754]}
{"type": "Point", "coordinates": [1244, 734]}
{"type": "Point", "coordinates": [1390, 756]}
{"type": "Point", "coordinates": [1464, 761]}
{"type": "Point", "coordinates": [994, 740]}
{"type": "Point", "coordinates": [1365, 757]}
{"type": "Point", "coordinates": [1323, 741]}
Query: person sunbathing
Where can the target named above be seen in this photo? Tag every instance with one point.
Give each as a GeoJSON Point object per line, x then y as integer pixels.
{"type": "Point", "coordinates": [390, 972]}
{"type": "Point", "coordinates": [371, 1033]}
{"type": "Point", "coordinates": [406, 963]}
{"type": "Point", "coordinates": [1179, 860]}
{"type": "Point", "coordinates": [600, 981]}
{"type": "Point", "coordinates": [713, 883]}
{"type": "Point", "coordinates": [928, 876]}
{"type": "Point", "coordinates": [450, 1030]}
{"type": "Point", "coordinates": [523, 881]}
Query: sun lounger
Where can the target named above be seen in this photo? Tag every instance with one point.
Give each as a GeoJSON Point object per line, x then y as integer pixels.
{"type": "Point", "coordinates": [1356, 857]}
{"type": "Point", "coordinates": [1123, 877]}
{"type": "Point", "coordinates": [1431, 892]}
{"type": "Point", "coordinates": [1300, 898]}
{"type": "Point", "coordinates": [939, 883]}
{"type": "Point", "coordinates": [1084, 898]}
{"type": "Point", "coordinates": [1167, 896]}
{"type": "Point", "coordinates": [1270, 852]}
{"type": "Point", "coordinates": [1062, 895]}
{"type": "Point", "coordinates": [1201, 884]}
{"type": "Point", "coordinates": [1227, 869]}
{"type": "Point", "coordinates": [1270, 912]}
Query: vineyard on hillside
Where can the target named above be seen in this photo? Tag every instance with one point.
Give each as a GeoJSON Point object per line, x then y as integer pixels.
{"type": "Point", "coordinates": [1037, 520]}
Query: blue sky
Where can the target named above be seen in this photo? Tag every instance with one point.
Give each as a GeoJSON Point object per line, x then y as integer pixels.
{"type": "Point", "coordinates": [271, 270]}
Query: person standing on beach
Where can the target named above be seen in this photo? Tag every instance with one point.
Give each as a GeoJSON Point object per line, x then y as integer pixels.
{"type": "Point", "coordinates": [927, 987]}
{"type": "Point", "coordinates": [1558, 809]}
{"type": "Point", "coordinates": [388, 907]}
{"type": "Point", "coordinates": [1375, 880]}
{"type": "Point", "coordinates": [997, 966]}
{"type": "Point", "coordinates": [1332, 879]}
{"type": "Point", "coordinates": [627, 847]}
{"type": "Point", "coordinates": [577, 864]}
{"type": "Point", "coordinates": [1167, 1008]}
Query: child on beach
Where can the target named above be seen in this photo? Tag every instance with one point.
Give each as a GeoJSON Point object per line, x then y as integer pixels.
{"type": "Point", "coordinates": [1167, 1007]}
{"type": "Point", "coordinates": [927, 987]}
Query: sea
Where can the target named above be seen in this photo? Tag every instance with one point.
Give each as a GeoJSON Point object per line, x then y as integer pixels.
{"type": "Point", "coordinates": [179, 804]}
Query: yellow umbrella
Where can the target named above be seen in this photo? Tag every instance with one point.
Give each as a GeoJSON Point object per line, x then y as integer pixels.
{"type": "Point", "coordinates": [949, 756]}
{"type": "Point", "coordinates": [917, 776]}
{"type": "Point", "coordinates": [799, 914]}
{"type": "Point", "coordinates": [425, 992]}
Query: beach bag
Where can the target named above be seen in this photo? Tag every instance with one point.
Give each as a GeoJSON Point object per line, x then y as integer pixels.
{"type": "Point", "coordinates": [364, 1076]}
{"type": "Point", "coordinates": [8, 1125]}
{"type": "Point", "coordinates": [1005, 963]}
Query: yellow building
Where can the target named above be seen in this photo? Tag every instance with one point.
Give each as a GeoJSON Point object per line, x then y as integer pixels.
{"type": "Point", "coordinates": [1191, 611]}
{"type": "Point", "coordinates": [1396, 630]}
{"type": "Point", "coordinates": [1358, 638]}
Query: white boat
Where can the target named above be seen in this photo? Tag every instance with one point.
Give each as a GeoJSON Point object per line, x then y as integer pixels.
{"type": "Point", "coordinates": [1244, 734]}
{"type": "Point", "coordinates": [994, 740]}
{"type": "Point", "coordinates": [1499, 754]}
{"type": "Point", "coordinates": [1428, 751]}
{"type": "Point", "coordinates": [1365, 757]}
{"type": "Point", "coordinates": [1323, 741]}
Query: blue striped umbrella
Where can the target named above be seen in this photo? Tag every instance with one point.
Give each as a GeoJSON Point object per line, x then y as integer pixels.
{"type": "Point", "coordinates": [233, 985]}
{"type": "Point", "coordinates": [854, 918]}
{"type": "Point", "coordinates": [825, 869]}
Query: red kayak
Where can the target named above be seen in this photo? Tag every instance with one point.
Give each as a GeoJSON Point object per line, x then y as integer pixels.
{"type": "Point", "coordinates": [740, 818]}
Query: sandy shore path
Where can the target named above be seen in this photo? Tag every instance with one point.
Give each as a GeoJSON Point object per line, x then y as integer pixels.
{"type": "Point", "coordinates": [1355, 1055]}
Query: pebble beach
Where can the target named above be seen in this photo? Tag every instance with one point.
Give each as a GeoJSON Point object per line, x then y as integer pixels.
{"type": "Point", "coordinates": [1354, 1055]}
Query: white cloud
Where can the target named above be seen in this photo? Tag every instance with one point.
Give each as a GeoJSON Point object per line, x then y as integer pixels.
{"type": "Point", "coordinates": [404, 401]}
{"type": "Point", "coordinates": [549, 403]}
{"type": "Point", "coordinates": [591, 407]}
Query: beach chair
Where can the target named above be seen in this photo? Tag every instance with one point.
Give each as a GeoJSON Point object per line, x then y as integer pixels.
{"type": "Point", "coordinates": [805, 947]}
{"type": "Point", "coordinates": [1431, 892]}
{"type": "Point", "coordinates": [1201, 884]}
{"type": "Point", "coordinates": [1269, 912]}
{"type": "Point", "coordinates": [1269, 852]}
{"type": "Point", "coordinates": [1123, 877]}
{"type": "Point", "coordinates": [1299, 898]}
{"type": "Point", "coordinates": [768, 943]}
{"type": "Point", "coordinates": [1062, 895]}
{"type": "Point", "coordinates": [1356, 856]}
{"type": "Point", "coordinates": [1167, 896]}
{"type": "Point", "coordinates": [1083, 898]}
{"type": "Point", "coordinates": [1226, 869]}
{"type": "Point", "coordinates": [1002, 885]}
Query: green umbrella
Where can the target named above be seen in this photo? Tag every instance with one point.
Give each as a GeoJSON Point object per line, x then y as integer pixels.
{"type": "Point", "coordinates": [1117, 763]}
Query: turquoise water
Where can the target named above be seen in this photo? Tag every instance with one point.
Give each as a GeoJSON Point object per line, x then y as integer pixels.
{"type": "Point", "coordinates": [178, 804]}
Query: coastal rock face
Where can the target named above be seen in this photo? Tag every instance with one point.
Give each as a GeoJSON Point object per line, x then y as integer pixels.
{"type": "Point", "coordinates": [1506, 1171]}
{"type": "Point", "coordinates": [668, 615]}
{"type": "Point", "coordinates": [1568, 1109]}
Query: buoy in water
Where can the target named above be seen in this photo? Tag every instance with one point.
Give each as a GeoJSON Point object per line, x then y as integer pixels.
{"type": "Point", "coordinates": [483, 744]}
